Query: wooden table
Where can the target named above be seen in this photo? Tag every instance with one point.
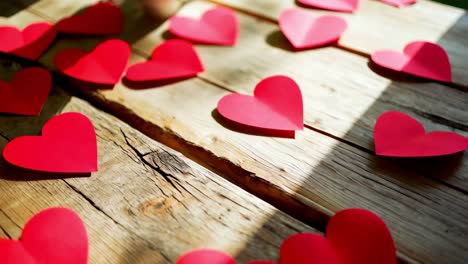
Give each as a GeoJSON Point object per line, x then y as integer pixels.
{"type": "Point", "coordinates": [173, 177]}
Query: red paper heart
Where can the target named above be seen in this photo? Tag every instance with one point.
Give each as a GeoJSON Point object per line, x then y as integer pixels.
{"type": "Point", "coordinates": [53, 236]}
{"type": "Point", "coordinates": [420, 58]}
{"type": "Point", "coordinates": [353, 236]}
{"type": "Point", "coordinates": [26, 93]}
{"type": "Point", "coordinates": [205, 256]}
{"type": "Point", "coordinates": [217, 26]}
{"type": "Point", "coordinates": [104, 65]}
{"type": "Point", "coordinates": [334, 5]}
{"type": "Point", "coordinates": [67, 145]}
{"type": "Point", "coordinates": [276, 105]}
{"type": "Point", "coordinates": [305, 30]}
{"type": "Point", "coordinates": [399, 3]}
{"type": "Point", "coordinates": [399, 135]}
{"type": "Point", "coordinates": [101, 18]}
{"type": "Point", "coordinates": [29, 43]}
{"type": "Point", "coordinates": [170, 60]}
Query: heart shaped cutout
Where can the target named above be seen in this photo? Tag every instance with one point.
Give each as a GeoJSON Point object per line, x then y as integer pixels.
{"type": "Point", "coordinates": [29, 43]}
{"type": "Point", "coordinates": [398, 3]}
{"type": "Point", "coordinates": [399, 135]}
{"type": "Point", "coordinates": [205, 256]}
{"type": "Point", "coordinates": [67, 145]}
{"type": "Point", "coordinates": [419, 58]}
{"type": "Point", "coordinates": [276, 105]}
{"type": "Point", "coordinates": [334, 5]}
{"type": "Point", "coordinates": [104, 65]}
{"type": "Point", "coordinates": [172, 59]}
{"type": "Point", "coordinates": [26, 93]}
{"type": "Point", "coordinates": [218, 26]}
{"type": "Point", "coordinates": [353, 236]}
{"type": "Point", "coordinates": [52, 236]}
{"type": "Point", "coordinates": [211, 256]}
{"type": "Point", "coordinates": [304, 30]}
{"type": "Point", "coordinates": [102, 18]}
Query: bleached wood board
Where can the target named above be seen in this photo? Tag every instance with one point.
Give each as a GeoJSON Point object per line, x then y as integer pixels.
{"type": "Point", "coordinates": [314, 171]}
{"type": "Point", "coordinates": [342, 96]}
{"type": "Point", "coordinates": [377, 26]}
{"type": "Point", "coordinates": [147, 203]}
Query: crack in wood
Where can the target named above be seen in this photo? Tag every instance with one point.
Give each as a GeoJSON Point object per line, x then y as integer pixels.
{"type": "Point", "coordinates": [167, 176]}
{"type": "Point", "coordinates": [5, 232]}
{"type": "Point", "coordinates": [4, 137]}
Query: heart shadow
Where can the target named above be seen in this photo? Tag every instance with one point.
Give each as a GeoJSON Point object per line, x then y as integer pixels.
{"type": "Point", "coordinates": [249, 130]}
{"type": "Point", "coordinates": [13, 173]}
{"type": "Point", "coordinates": [394, 75]}
{"type": "Point", "coordinates": [140, 85]}
{"type": "Point", "coordinates": [440, 167]}
{"type": "Point", "coordinates": [79, 84]}
{"type": "Point", "coordinates": [276, 39]}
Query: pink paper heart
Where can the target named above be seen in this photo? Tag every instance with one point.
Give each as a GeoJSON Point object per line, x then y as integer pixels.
{"type": "Point", "coordinates": [353, 236]}
{"type": "Point", "coordinates": [26, 93]}
{"type": "Point", "coordinates": [398, 3]}
{"type": "Point", "coordinates": [103, 65]}
{"type": "Point", "coordinates": [52, 236]}
{"type": "Point", "coordinates": [305, 30]}
{"type": "Point", "coordinates": [217, 26]}
{"type": "Point", "coordinates": [205, 256]}
{"type": "Point", "coordinates": [29, 43]}
{"type": "Point", "coordinates": [399, 135]}
{"type": "Point", "coordinates": [419, 58]}
{"type": "Point", "coordinates": [101, 18]}
{"type": "Point", "coordinates": [172, 59]}
{"type": "Point", "coordinates": [276, 105]}
{"type": "Point", "coordinates": [67, 145]}
{"type": "Point", "coordinates": [334, 5]}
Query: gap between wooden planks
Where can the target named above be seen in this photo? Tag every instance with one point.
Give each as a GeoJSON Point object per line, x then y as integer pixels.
{"type": "Point", "coordinates": [329, 76]}
{"type": "Point", "coordinates": [359, 95]}
{"type": "Point", "coordinates": [366, 181]}
{"type": "Point", "coordinates": [147, 203]}
{"type": "Point", "coordinates": [375, 26]}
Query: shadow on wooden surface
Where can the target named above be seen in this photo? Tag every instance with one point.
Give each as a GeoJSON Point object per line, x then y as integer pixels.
{"type": "Point", "coordinates": [241, 128]}
{"type": "Point", "coordinates": [407, 174]}
{"type": "Point", "coordinates": [13, 173]}
{"type": "Point", "coordinates": [9, 8]}
{"type": "Point", "coordinates": [139, 85]}
{"type": "Point", "coordinates": [30, 125]}
{"type": "Point", "coordinates": [381, 174]}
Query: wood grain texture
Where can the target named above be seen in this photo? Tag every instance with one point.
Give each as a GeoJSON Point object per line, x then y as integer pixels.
{"type": "Point", "coordinates": [344, 99]}
{"type": "Point", "coordinates": [147, 204]}
{"type": "Point", "coordinates": [342, 96]}
{"type": "Point", "coordinates": [314, 172]}
{"type": "Point", "coordinates": [375, 26]}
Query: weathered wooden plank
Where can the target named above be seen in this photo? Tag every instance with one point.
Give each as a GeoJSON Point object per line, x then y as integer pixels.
{"type": "Point", "coordinates": [313, 170]}
{"type": "Point", "coordinates": [342, 95]}
{"type": "Point", "coordinates": [342, 99]}
{"type": "Point", "coordinates": [146, 203]}
{"type": "Point", "coordinates": [375, 26]}
{"type": "Point", "coordinates": [378, 26]}
{"type": "Point", "coordinates": [23, 197]}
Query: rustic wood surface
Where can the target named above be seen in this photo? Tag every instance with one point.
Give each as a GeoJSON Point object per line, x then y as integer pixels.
{"type": "Point", "coordinates": [376, 26]}
{"type": "Point", "coordinates": [326, 168]}
{"type": "Point", "coordinates": [147, 203]}
{"type": "Point", "coordinates": [359, 95]}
